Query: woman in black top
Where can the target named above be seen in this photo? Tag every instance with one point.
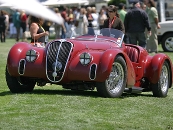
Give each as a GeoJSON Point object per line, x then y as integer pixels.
{"type": "Point", "coordinates": [36, 30]}
{"type": "Point", "coordinates": [2, 26]}
{"type": "Point", "coordinates": [113, 20]}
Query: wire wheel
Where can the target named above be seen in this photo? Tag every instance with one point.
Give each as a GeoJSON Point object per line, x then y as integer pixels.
{"type": "Point", "coordinates": [115, 84]}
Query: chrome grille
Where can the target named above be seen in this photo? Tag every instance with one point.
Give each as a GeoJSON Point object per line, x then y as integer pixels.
{"type": "Point", "coordinates": [57, 52]}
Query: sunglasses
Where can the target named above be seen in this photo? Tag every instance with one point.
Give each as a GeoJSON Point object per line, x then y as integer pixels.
{"type": "Point", "coordinates": [111, 11]}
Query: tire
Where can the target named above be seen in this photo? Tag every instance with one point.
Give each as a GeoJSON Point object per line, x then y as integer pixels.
{"type": "Point", "coordinates": [167, 42]}
{"type": "Point", "coordinates": [160, 89]}
{"type": "Point", "coordinates": [25, 84]}
{"type": "Point", "coordinates": [115, 84]}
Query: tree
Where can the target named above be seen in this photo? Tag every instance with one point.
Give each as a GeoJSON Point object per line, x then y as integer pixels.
{"type": "Point", "coordinates": [116, 2]}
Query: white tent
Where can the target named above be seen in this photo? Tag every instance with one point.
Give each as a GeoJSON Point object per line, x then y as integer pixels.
{"type": "Point", "coordinates": [35, 8]}
{"type": "Point", "coordinates": [65, 2]}
{"type": "Point", "coordinates": [5, 5]}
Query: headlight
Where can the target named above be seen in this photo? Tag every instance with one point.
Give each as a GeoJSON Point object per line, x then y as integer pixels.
{"type": "Point", "coordinates": [31, 55]}
{"type": "Point", "coordinates": [85, 58]}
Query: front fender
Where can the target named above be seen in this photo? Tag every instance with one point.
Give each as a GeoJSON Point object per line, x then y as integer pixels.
{"type": "Point", "coordinates": [106, 62]}
{"type": "Point", "coordinates": [154, 70]}
{"type": "Point", "coordinates": [32, 69]}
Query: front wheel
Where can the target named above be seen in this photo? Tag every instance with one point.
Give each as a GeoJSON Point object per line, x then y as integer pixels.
{"type": "Point", "coordinates": [160, 89]}
{"type": "Point", "coordinates": [115, 84]}
{"type": "Point", "coordinates": [19, 86]}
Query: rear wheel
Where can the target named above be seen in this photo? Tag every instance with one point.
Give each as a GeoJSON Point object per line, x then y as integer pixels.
{"type": "Point", "coordinates": [21, 85]}
{"type": "Point", "coordinates": [160, 89]}
{"type": "Point", "coordinates": [115, 84]}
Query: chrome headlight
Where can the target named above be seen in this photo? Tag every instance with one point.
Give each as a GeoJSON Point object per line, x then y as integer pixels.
{"type": "Point", "coordinates": [31, 55]}
{"type": "Point", "coordinates": [85, 58]}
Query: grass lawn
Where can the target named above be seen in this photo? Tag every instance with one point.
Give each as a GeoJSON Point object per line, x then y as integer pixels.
{"type": "Point", "coordinates": [53, 108]}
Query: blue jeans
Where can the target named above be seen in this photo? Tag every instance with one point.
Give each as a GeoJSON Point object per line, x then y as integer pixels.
{"type": "Point", "coordinates": [64, 34]}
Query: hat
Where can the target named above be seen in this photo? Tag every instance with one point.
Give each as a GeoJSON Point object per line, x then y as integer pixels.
{"type": "Point", "coordinates": [135, 2]}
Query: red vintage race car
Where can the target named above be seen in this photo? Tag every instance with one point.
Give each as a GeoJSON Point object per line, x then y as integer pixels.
{"type": "Point", "coordinates": [96, 60]}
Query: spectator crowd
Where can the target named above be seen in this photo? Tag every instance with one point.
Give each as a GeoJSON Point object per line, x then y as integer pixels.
{"type": "Point", "coordinates": [140, 23]}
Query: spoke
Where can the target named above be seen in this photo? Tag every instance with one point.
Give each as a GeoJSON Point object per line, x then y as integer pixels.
{"type": "Point", "coordinates": [116, 78]}
{"type": "Point", "coordinates": [164, 78]}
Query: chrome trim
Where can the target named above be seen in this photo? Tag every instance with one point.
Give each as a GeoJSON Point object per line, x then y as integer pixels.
{"type": "Point", "coordinates": [61, 42]}
{"type": "Point", "coordinates": [23, 66]}
{"type": "Point", "coordinates": [36, 55]}
{"type": "Point", "coordinates": [90, 58]}
{"type": "Point", "coordinates": [94, 72]}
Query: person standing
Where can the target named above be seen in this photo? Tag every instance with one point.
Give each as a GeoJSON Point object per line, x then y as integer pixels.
{"type": "Point", "coordinates": [122, 14]}
{"type": "Point", "coordinates": [143, 6]}
{"type": "Point", "coordinates": [135, 22]}
{"type": "Point", "coordinates": [89, 16]}
{"type": "Point", "coordinates": [23, 24]}
{"type": "Point", "coordinates": [113, 20]}
{"type": "Point", "coordinates": [95, 18]}
{"type": "Point", "coordinates": [16, 21]}
{"type": "Point", "coordinates": [36, 30]}
{"type": "Point", "coordinates": [102, 17]}
{"type": "Point", "coordinates": [152, 43]}
{"type": "Point", "coordinates": [2, 26]}
{"type": "Point", "coordinates": [58, 27]}
{"type": "Point", "coordinates": [6, 22]}
{"type": "Point", "coordinates": [66, 19]}
{"type": "Point", "coordinates": [82, 22]}
{"type": "Point", "coordinates": [122, 11]}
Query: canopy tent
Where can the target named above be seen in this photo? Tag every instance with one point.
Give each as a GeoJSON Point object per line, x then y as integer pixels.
{"type": "Point", "coordinates": [35, 8]}
{"type": "Point", "coordinates": [5, 5]}
{"type": "Point", "coordinates": [65, 2]}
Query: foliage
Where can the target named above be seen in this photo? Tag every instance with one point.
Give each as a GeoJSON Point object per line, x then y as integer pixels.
{"type": "Point", "coordinates": [116, 2]}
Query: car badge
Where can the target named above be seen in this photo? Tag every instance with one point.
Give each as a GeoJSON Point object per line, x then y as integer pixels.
{"type": "Point", "coordinates": [56, 66]}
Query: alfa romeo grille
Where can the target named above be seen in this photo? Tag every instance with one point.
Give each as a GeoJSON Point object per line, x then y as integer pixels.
{"type": "Point", "coordinates": [58, 54]}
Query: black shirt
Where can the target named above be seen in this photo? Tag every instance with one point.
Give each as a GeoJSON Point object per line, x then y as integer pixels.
{"type": "Point", "coordinates": [136, 20]}
{"type": "Point", "coordinates": [41, 39]}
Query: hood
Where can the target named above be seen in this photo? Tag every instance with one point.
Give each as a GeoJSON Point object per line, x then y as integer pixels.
{"type": "Point", "coordinates": [166, 23]}
{"type": "Point", "coordinates": [95, 45]}
{"type": "Point", "coordinates": [101, 43]}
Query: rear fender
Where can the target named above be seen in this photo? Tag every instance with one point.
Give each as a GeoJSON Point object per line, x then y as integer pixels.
{"type": "Point", "coordinates": [155, 68]}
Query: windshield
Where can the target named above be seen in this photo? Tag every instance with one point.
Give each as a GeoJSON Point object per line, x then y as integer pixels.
{"type": "Point", "coordinates": [107, 34]}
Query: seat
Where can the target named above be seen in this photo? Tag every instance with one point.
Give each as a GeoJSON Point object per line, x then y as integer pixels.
{"type": "Point", "coordinates": [133, 53]}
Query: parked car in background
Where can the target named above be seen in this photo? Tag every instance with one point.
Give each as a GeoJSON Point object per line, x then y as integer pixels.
{"type": "Point", "coordinates": [90, 61]}
{"type": "Point", "coordinates": [165, 35]}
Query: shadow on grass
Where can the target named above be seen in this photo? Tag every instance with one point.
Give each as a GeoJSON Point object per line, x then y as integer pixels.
{"type": "Point", "coordinates": [75, 93]}
{"type": "Point", "coordinates": [67, 92]}
{"type": "Point", "coordinates": [143, 94]}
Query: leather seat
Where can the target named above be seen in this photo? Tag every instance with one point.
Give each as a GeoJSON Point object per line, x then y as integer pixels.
{"type": "Point", "coordinates": [133, 53]}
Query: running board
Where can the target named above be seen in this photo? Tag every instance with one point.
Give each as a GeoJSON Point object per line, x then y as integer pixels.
{"type": "Point", "coordinates": [133, 90]}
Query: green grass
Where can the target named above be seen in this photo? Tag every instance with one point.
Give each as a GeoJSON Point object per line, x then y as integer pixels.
{"type": "Point", "coordinates": [53, 108]}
